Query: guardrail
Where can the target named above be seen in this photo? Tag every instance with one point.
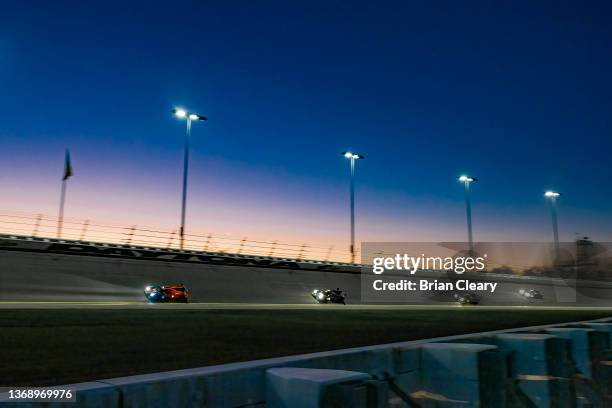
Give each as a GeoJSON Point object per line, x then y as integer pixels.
{"type": "Point", "coordinates": [44, 226]}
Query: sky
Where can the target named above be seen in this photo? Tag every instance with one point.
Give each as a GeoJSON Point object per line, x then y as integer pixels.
{"type": "Point", "coordinates": [517, 94]}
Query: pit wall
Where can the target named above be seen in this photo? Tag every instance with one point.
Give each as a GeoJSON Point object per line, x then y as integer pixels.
{"type": "Point", "coordinates": [49, 270]}
{"type": "Point", "coordinates": [565, 365]}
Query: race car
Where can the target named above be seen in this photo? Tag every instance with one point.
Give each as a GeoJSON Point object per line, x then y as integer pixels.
{"type": "Point", "coordinates": [329, 296]}
{"type": "Point", "coordinates": [166, 293]}
{"type": "Point", "coordinates": [531, 294]}
{"type": "Point", "coordinates": [468, 298]}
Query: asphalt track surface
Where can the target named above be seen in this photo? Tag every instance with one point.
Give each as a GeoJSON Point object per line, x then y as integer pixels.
{"type": "Point", "coordinates": [57, 280]}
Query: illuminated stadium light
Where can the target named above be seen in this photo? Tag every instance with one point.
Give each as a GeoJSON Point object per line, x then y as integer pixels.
{"type": "Point", "coordinates": [466, 179]}
{"type": "Point", "coordinates": [183, 114]}
{"type": "Point", "coordinates": [351, 155]}
{"type": "Point", "coordinates": [551, 194]}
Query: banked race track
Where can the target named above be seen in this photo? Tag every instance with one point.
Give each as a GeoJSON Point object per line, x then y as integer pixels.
{"type": "Point", "coordinates": [42, 270]}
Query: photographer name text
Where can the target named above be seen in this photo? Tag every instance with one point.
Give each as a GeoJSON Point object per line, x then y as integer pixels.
{"type": "Point", "coordinates": [435, 285]}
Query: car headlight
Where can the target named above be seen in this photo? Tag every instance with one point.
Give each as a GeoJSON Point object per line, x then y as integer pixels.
{"type": "Point", "coordinates": [148, 288]}
{"type": "Point", "coordinates": [321, 296]}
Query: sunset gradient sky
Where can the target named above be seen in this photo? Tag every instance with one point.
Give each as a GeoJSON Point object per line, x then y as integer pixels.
{"type": "Point", "coordinates": [516, 94]}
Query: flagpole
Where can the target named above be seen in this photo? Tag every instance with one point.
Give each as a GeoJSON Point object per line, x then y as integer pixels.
{"type": "Point", "coordinates": [60, 220]}
{"type": "Point", "coordinates": [67, 174]}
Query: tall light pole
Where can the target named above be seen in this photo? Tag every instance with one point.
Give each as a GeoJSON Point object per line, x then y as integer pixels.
{"type": "Point", "coordinates": [352, 157]}
{"type": "Point", "coordinates": [552, 196]}
{"type": "Point", "coordinates": [190, 117]}
{"type": "Point", "coordinates": [466, 180]}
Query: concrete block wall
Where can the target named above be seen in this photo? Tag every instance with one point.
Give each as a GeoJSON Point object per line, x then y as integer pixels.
{"type": "Point", "coordinates": [471, 373]}
{"type": "Point", "coordinates": [550, 366]}
{"type": "Point", "coordinates": [538, 365]}
{"type": "Point", "coordinates": [311, 387]}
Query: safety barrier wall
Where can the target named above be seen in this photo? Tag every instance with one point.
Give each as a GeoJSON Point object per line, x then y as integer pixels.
{"type": "Point", "coordinates": [562, 365]}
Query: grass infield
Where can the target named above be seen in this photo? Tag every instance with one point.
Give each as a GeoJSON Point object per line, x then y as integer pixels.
{"type": "Point", "coordinates": [61, 346]}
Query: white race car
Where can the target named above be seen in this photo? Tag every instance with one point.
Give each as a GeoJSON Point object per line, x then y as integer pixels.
{"type": "Point", "coordinates": [531, 294]}
{"type": "Point", "coordinates": [329, 296]}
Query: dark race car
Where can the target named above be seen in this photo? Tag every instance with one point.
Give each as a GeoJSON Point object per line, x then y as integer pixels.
{"type": "Point", "coordinates": [329, 296]}
{"type": "Point", "coordinates": [167, 293]}
{"type": "Point", "coordinates": [531, 294]}
{"type": "Point", "coordinates": [467, 298]}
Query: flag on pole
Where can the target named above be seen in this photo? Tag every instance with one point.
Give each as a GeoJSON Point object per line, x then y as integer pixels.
{"type": "Point", "coordinates": [67, 167]}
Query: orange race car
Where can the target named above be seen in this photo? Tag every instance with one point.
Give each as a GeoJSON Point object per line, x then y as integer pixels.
{"type": "Point", "coordinates": [167, 293]}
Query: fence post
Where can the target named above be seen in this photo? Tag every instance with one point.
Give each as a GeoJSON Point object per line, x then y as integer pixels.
{"type": "Point", "coordinates": [171, 239]}
{"type": "Point", "coordinates": [37, 225]}
{"type": "Point", "coordinates": [84, 230]}
{"type": "Point", "coordinates": [241, 246]}
{"type": "Point", "coordinates": [301, 253]}
{"type": "Point", "coordinates": [272, 248]}
{"type": "Point", "coordinates": [329, 251]}
{"type": "Point", "coordinates": [130, 235]}
{"type": "Point", "coordinates": [208, 238]}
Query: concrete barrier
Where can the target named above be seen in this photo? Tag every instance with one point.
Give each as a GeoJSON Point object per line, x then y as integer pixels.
{"type": "Point", "coordinates": [464, 374]}
{"type": "Point", "coordinates": [586, 346]}
{"type": "Point", "coordinates": [538, 364]}
{"type": "Point", "coordinates": [523, 367]}
{"type": "Point", "coordinates": [290, 387]}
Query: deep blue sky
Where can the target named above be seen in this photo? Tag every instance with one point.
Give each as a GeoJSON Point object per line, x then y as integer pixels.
{"type": "Point", "coordinates": [519, 94]}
